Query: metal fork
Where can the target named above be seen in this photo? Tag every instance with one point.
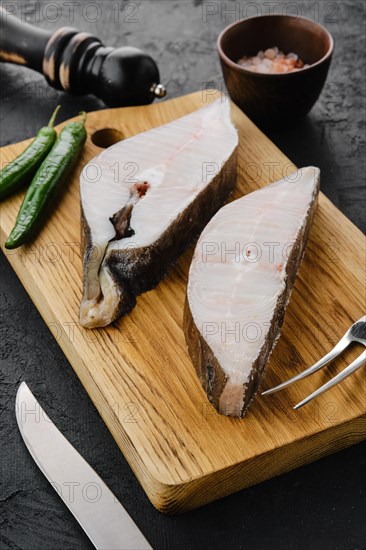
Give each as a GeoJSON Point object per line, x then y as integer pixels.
{"type": "Point", "coordinates": [356, 333]}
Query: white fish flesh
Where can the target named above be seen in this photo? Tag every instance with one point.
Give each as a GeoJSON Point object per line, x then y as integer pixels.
{"type": "Point", "coordinates": [240, 280]}
{"type": "Point", "coordinates": [143, 201]}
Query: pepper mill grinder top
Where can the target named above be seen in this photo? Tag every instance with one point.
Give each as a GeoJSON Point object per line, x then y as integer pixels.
{"type": "Point", "coordinates": [78, 63]}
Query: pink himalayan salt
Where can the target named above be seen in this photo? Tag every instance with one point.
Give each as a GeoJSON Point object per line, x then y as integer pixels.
{"type": "Point", "coordinates": [272, 61]}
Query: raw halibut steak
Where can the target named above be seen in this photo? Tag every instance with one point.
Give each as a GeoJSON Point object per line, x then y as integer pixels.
{"type": "Point", "coordinates": [143, 201]}
{"type": "Point", "coordinates": [240, 280]}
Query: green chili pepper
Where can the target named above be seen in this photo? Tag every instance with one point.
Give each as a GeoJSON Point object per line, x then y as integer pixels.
{"type": "Point", "coordinates": [20, 171]}
{"type": "Point", "coordinates": [51, 174]}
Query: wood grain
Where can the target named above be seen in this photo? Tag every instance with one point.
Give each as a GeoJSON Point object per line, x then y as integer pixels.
{"type": "Point", "coordinates": [138, 372]}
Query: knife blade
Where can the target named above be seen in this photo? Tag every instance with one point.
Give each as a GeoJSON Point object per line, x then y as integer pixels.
{"type": "Point", "coordinates": [93, 504]}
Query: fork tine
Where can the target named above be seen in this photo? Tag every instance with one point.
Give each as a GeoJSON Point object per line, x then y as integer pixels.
{"type": "Point", "coordinates": [357, 363]}
{"type": "Point", "coordinates": [338, 348]}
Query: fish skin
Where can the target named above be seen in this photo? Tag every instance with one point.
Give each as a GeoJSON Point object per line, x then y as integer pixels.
{"type": "Point", "coordinates": [126, 272]}
{"type": "Point", "coordinates": [214, 376]}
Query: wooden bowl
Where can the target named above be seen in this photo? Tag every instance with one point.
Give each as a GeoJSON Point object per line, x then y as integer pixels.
{"type": "Point", "coordinates": [272, 99]}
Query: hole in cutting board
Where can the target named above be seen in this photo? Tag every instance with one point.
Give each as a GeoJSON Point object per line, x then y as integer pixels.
{"type": "Point", "coordinates": [106, 137]}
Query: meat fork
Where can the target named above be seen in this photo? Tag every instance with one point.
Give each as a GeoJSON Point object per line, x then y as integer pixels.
{"type": "Point", "coordinates": [356, 333]}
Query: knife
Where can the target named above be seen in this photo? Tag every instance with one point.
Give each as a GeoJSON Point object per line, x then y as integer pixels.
{"type": "Point", "coordinates": [98, 511]}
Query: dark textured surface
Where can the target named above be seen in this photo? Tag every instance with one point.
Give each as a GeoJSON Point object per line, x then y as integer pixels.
{"type": "Point", "coordinates": [321, 506]}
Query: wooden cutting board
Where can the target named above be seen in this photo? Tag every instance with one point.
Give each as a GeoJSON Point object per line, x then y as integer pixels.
{"type": "Point", "coordinates": [138, 372]}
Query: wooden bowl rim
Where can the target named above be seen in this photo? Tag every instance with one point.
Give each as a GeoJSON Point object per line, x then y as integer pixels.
{"type": "Point", "coordinates": [238, 67]}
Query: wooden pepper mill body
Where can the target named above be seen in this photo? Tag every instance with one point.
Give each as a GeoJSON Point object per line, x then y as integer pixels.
{"type": "Point", "coordinates": [78, 63]}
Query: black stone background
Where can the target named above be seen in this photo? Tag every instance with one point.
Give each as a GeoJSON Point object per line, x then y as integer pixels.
{"type": "Point", "coordinates": [320, 506]}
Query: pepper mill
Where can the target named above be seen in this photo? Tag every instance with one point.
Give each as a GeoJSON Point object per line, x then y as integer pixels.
{"type": "Point", "coordinates": [78, 63]}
